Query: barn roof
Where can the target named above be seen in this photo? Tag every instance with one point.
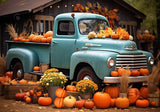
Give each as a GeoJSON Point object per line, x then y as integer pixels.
{"type": "Point", "coordinates": [19, 6]}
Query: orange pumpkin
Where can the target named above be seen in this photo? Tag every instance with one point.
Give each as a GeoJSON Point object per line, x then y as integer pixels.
{"type": "Point", "coordinates": [28, 99]}
{"type": "Point", "coordinates": [133, 95]}
{"type": "Point", "coordinates": [49, 39]}
{"type": "Point", "coordinates": [48, 34]}
{"type": "Point", "coordinates": [31, 37]}
{"type": "Point", "coordinates": [61, 93]}
{"type": "Point", "coordinates": [80, 103]}
{"type": "Point", "coordinates": [22, 81]}
{"type": "Point", "coordinates": [102, 100]}
{"type": "Point", "coordinates": [99, 35]}
{"type": "Point", "coordinates": [36, 68]}
{"type": "Point", "coordinates": [113, 101]}
{"type": "Point", "coordinates": [45, 101]}
{"type": "Point", "coordinates": [135, 73]}
{"type": "Point", "coordinates": [89, 104]}
{"type": "Point", "coordinates": [13, 82]}
{"type": "Point", "coordinates": [114, 73]}
{"type": "Point", "coordinates": [121, 71]}
{"type": "Point", "coordinates": [71, 87]}
{"type": "Point", "coordinates": [113, 91]}
{"type": "Point", "coordinates": [144, 92]}
{"type": "Point", "coordinates": [144, 71]}
{"type": "Point", "coordinates": [142, 103]}
{"type": "Point", "coordinates": [43, 40]}
{"type": "Point", "coordinates": [122, 102]}
{"type": "Point", "coordinates": [15, 39]}
{"type": "Point", "coordinates": [58, 102]}
{"type": "Point", "coordinates": [114, 36]}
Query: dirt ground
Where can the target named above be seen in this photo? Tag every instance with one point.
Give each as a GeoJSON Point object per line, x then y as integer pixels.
{"type": "Point", "coordinates": [19, 106]}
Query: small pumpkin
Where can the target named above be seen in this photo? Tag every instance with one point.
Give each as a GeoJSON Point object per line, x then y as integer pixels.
{"type": "Point", "coordinates": [58, 102]}
{"type": "Point", "coordinates": [13, 82]}
{"type": "Point", "coordinates": [144, 92]}
{"type": "Point", "coordinates": [114, 73]}
{"type": "Point", "coordinates": [61, 93]}
{"type": "Point", "coordinates": [122, 102]}
{"type": "Point", "coordinates": [144, 71]}
{"type": "Point", "coordinates": [135, 73]}
{"type": "Point", "coordinates": [43, 40]}
{"type": "Point", "coordinates": [45, 101]}
{"type": "Point", "coordinates": [23, 81]}
{"type": "Point", "coordinates": [80, 103]}
{"type": "Point", "coordinates": [49, 39]}
{"type": "Point", "coordinates": [9, 74]}
{"type": "Point", "coordinates": [121, 71]}
{"type": "Point", "coordinates": [71, 87]}
{"type": "Point", "coordinates": [91, 35]}
{"type": "Point", "coordinates": [113, 101]}
{"type": "Point", "coordinates": [36, 68]}
{"type": "Point", "coordinates": [69, 101]}
{"type": "Point", "coordinates": [89, 104]}
{"type": "Point", "coordinates": [102, 100]}
{"type": "Point", "coordinates": [113, 91]}
{"type": "Point", "coordinates": [142, 103]}
{"type": "Point", "coordinates": [20, 95]}
{"type": "Point", "coordinates": [48, 34]}
{"type": "Point", "coordinates": [114, 36]}
{"type": "Point", "coordinates": [28, 99]}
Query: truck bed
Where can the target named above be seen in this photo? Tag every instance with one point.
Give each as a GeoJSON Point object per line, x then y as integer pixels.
{"type": "Point", "coordinates": [42, 49]}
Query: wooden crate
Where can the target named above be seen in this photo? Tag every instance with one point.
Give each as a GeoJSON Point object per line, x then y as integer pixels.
{"type": "Point", "coordinates": [154, 97]}
{"type": "Point", "coordinates": [30, 77]}
{"type": "Point", "coordinates": [43, 67]}
{"type": "Point", "coordinates": [11, 90]}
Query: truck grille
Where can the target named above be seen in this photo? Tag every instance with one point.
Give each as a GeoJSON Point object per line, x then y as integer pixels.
{"type": "Point", "coordinates": [133, 61]}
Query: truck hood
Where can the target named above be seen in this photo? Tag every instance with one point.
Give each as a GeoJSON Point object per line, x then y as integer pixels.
{"type": "Point", "coordinates": [108, 44]}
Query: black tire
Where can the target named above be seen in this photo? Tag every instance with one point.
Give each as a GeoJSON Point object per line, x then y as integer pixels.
{"type": "Point", "coordinates": [87, 72]}
{"type": "Point", "coordinates": [18, 72]}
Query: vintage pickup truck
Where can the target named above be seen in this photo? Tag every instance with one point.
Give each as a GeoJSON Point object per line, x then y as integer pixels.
{"type": "Point", "coordinates": [76, 55]}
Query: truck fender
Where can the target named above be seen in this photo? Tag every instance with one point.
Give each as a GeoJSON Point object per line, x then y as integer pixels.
{"type": "Point", "coordinates": [27, 57]}
{"type": "Point", "coordinates": [97, 60]}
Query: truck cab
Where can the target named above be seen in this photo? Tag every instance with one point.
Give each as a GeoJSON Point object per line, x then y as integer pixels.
{"type": "Point", "coordinates": [84, 58]}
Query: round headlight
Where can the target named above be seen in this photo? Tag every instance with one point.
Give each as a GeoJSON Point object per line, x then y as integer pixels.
{"type": "Point", "coordinates": [110, 62]}
{"type": "Point", "coordinates": [150, 61]}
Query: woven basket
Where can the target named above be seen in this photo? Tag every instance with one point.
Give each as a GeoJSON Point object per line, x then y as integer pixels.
{"type": "Point", "coordinates": [154, 97]}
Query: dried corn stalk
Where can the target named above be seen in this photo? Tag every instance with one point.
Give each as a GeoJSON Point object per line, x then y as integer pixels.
{"type": "Point", "coordinates": [124, 81]}
{"type": "Point", "coordinates": [2, 65]}
{"type": "Point", "coordinates": [10, 29]}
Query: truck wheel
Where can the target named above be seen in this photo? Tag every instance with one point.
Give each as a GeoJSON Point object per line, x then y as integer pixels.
{"type": "Point", "coordinates": [88, 73]}
{"type": "Point", "coordinates": [18, 72]}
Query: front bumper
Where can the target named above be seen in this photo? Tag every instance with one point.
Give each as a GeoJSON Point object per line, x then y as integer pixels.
{"type": "Point", "coordinates": [132, 79]}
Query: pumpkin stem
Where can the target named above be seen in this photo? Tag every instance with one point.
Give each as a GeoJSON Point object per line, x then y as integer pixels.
{"type": "Point", "coordinates": [79, 98]}
{"type": "Point", "coordinates": [20, 90]}
{"type": "Point", "coordinates": [74, 82]}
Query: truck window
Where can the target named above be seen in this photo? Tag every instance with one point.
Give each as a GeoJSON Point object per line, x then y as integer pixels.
{"type": "Point", "coordinates": [88, 25]}
{"type": "Point", "coordinates": [65, 28]}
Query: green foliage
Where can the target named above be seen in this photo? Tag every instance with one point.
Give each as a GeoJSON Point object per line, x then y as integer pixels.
{"type": "Point", "coordinates": [148, 7]}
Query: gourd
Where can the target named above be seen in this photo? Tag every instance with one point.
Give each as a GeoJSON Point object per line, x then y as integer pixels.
{"type": "Point", "coordinates": [69, 101]}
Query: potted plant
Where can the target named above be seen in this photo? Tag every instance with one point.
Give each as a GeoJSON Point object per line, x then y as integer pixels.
{"type": "Point", "coordinates": [86, 88]}
{"type": "Point", "coordinates": [51, 80]}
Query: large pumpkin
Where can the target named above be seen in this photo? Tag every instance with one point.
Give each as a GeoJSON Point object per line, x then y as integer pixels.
{"type": "Point", "coordinates": [133, 95]}
{"type": "Point", "coordinates": [45, 101]}
{"type": "Point", "coordinates": [142, 103]}
{"type": "Point", "coordinates": [122, 102]}
{"type": "Point", "coordinates": [144, 92]}
{"type": "Point", "coordinates": [58, 102]}
{"type": "Point", "coordinates": [61, 93]}
{"type": "Point", "coordinates": [102, 100]}
{"type": "Point", "coordinates": [113, 91]}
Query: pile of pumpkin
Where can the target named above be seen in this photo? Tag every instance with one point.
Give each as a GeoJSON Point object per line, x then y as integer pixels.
{"type": "Point", "coordinates": [118, 33]}
{"type": "Point", "coordinates": [120, 71]}
{"type": "Point", "coordinates": [45, 38]}
{"type": "Point", "coordinates": [108, 98]}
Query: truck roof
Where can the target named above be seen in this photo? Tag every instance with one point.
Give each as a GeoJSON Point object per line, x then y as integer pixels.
{"type": "Point", "coordinates": [79, 15]}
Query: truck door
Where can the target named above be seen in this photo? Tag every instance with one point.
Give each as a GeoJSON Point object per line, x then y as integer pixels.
{"type": "Point", "coordinates": [63, 44]}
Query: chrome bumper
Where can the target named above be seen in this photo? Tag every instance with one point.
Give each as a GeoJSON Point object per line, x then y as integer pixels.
{"type": "Point", "coordinates": [136, 79]}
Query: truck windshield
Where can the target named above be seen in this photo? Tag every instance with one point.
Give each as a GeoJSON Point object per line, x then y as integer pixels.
{"type": "Point", "coordinates": [88, 25]}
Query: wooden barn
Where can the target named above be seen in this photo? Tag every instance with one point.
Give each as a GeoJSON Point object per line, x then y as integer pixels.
{"type": "Point", "coordinates": [38, 15]}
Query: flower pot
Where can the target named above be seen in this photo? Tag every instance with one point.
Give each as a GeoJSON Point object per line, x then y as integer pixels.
{"type": "Point", "coordinates": [51, 92]}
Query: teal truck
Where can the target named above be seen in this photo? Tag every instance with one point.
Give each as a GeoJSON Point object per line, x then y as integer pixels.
{"type": "Point", "coordinates": [79, 57]}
